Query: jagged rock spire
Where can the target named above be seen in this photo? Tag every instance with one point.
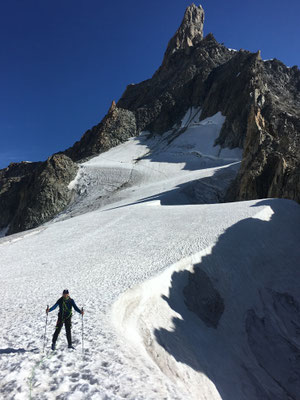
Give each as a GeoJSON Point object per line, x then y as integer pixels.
{"type": "Point", "coordinates": [190, 31]}
{"type": "Point", "coordinates": [112, 107]}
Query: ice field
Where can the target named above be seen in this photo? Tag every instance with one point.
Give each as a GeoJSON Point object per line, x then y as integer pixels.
{"type": "Point", "coordinates": [144, 222]}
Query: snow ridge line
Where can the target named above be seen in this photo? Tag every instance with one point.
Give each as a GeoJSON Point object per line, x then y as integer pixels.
{"type": "Point", "coordinates": [143, 310]}
{"type": "Point", "coordinates": [20, 235]}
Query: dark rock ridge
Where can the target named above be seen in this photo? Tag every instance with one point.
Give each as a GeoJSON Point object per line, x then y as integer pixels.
{"type": "Point", "coordinates": [189, 33]}
{"type": "Point", "coordinates": [33, 193]}
{"type": "Point", "coordinates": [116, 127]}
{"type": "Point", "coordinates": [160, 102]}
{"type": "Point", "coordinates": [13, 179]}
{"type": "Point", "coordinates": [261, 102]}
{"type": "Point", "coordinates": [271, 159]}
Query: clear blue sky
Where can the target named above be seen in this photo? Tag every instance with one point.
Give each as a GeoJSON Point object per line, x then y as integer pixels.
{"type": "Point", "coordinates": [64, 61]}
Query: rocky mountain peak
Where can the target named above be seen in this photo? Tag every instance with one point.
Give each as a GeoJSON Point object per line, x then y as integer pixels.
{"type": "Point", "coordinates": [190, 31]}
{"type": "Point", "coordinates": [112, 107]}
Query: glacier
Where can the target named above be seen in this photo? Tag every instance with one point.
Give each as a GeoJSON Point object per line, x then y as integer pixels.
{"type": "Point", "coordinates": [184, 297]}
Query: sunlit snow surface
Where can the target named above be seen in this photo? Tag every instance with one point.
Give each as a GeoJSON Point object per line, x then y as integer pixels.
{"type": "Point", "coordinates": [125, 249]}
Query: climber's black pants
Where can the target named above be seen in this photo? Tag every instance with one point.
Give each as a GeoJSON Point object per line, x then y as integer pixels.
{"type": "Point", "coordinates": [59, 325]}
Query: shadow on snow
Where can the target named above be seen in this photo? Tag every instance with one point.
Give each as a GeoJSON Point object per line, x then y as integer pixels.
{"type": "Point", "coordinates": [10, 350]}
{"type": "Point", "coordinates": [240, 309]}
{"type": "Point", "coordinates": [208, 190]}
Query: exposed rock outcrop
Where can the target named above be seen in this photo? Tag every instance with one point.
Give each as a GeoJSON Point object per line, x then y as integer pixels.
{"type": "Point", "coordinates": [33, 193]}
{"type": "Point", "coordinates": [117, 126]}
{"type": "Point", "coordinates": [271, 160]}
{"type": "Point", "coordinates": [160, 102]}
{"type": "Point", "coordinates": [229, 89]}
{"type": "Point", "coordinates": [189, 34]}
{"type": "Point", "coordinates": [12, 181]}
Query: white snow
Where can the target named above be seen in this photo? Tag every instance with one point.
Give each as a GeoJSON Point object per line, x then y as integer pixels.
{"type": "Point", "coordinates": [191, 117]}
{"type": "Point", "coordinates": [265, 214]}
{"type": "Point", "coordinates": [125, 249]}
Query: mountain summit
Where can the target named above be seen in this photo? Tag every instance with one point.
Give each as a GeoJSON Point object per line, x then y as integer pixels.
{"type": "Point", "coordinates": [190, 31]}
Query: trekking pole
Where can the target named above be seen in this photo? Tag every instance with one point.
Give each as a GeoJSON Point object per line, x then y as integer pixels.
{"type": "Point", "coordinates": [45, 328]}
{"type": "Point", "coordinates": [82, 329]}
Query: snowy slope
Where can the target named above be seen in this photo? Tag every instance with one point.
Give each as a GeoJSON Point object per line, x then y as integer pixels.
{"type": "Point", "coordinates": [126, 249]}
{"type": "Point", "coordinates": [160, 167]}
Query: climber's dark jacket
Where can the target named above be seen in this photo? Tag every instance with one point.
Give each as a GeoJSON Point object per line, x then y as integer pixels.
{"type": "Point", "coordinates": [65, 307]}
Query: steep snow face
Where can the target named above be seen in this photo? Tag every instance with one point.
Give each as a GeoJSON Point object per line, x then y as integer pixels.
{"type": "Point", "coordinates": [230, 313]}
{"type": "Point", "coordinates": [136, 255]}
{"type": "Point", "coordinates": [172, 168]}
{"type": "Point", "coordinates": [200, 136]}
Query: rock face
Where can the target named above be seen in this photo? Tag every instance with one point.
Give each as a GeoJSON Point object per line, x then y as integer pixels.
{"type": "Point", "coordinates": [160, 102]}
{"type": "Point", "coordinates": [261, 102]}
{"type": "Point", "coordinates": [190, 32]}
{"type": "Point", "coordinates": [271, 160]}
{"type": "Point", "coordinates": [33, 193]}
{"type": "Point", "coordinates": [118, 126]}
{"type": "Point", "coordinates": [12, 180]}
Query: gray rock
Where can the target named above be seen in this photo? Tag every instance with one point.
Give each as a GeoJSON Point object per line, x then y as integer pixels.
{"type": "Point", "coordinates": [117, 126]}
{"type": "Point", "coordinates": [12, 179]}
{"type": "Point", "coordinates": [160, 102]}
{"type": "Point", "coordinates": [189, 33]}
{"type": "Point", "coordinates": [271, 159]}
{"type": "Point", "coordinates": [34, 193]}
